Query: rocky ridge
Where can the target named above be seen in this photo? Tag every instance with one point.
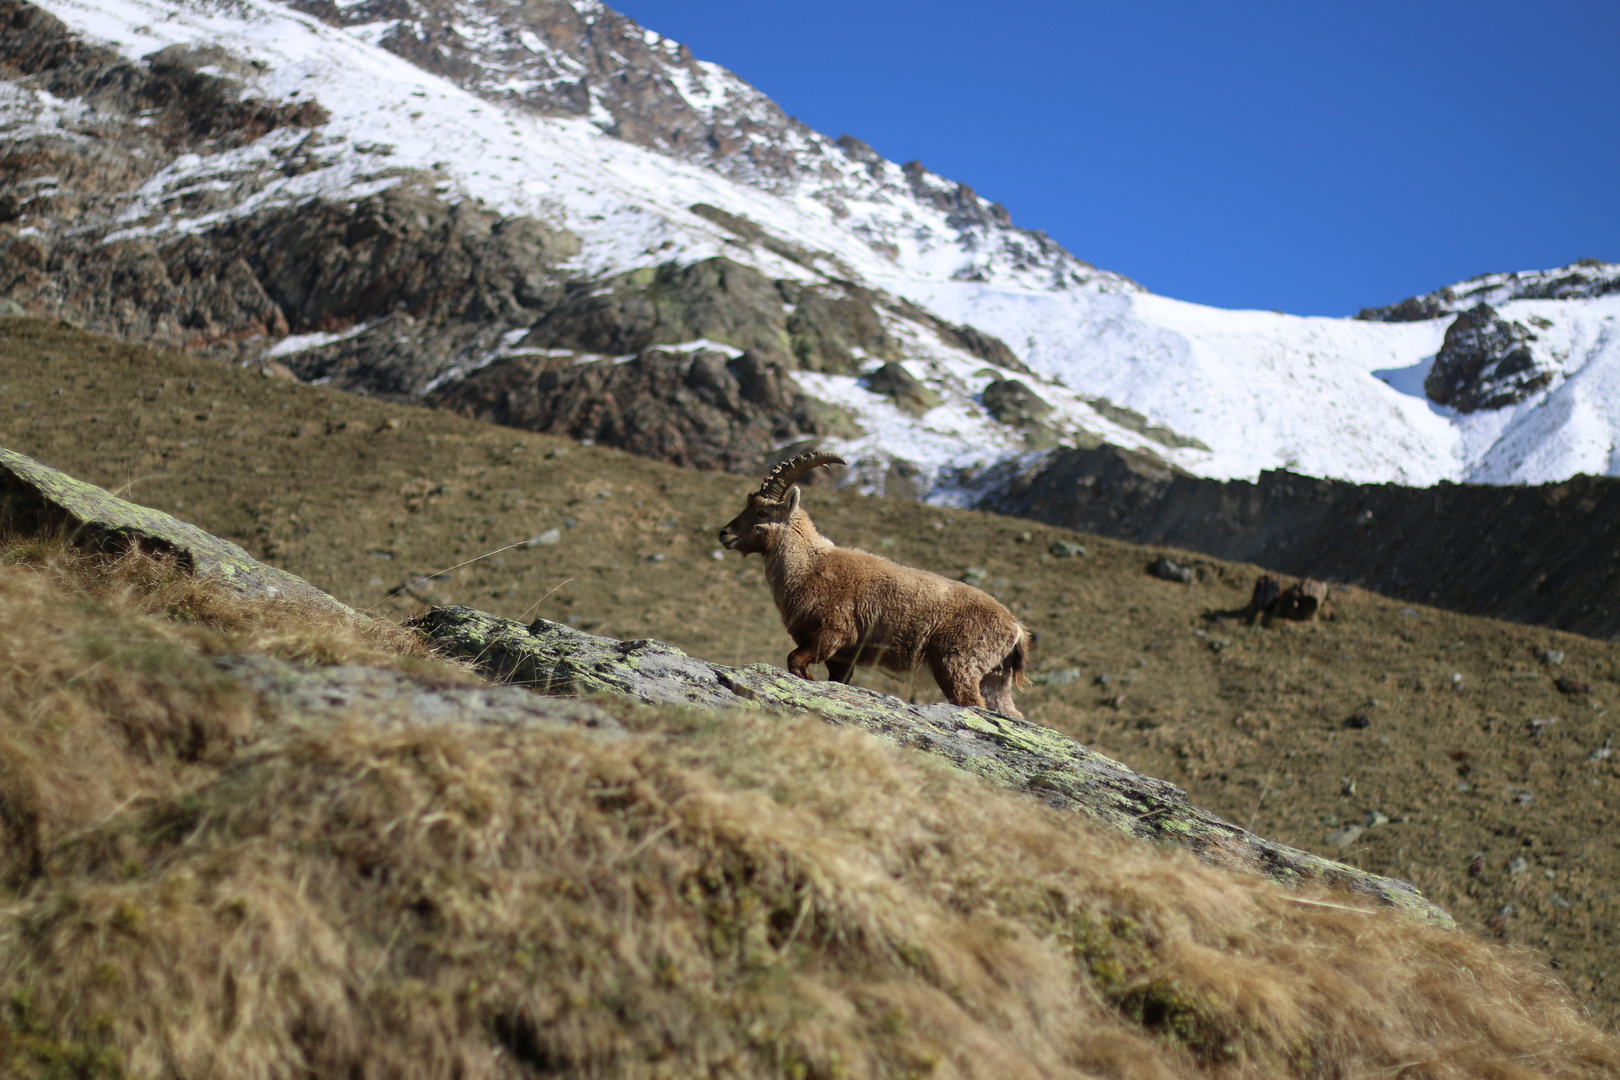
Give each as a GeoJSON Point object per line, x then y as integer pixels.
{"type": "Point", "coordinates": [1583, 280]}
{"type": "Point", "coordinates": [581, 58]}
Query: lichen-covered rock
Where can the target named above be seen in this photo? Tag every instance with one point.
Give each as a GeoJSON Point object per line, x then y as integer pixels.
{"type": "Point", "coordinates": [37, 500]}
{"type": "Point", "coordinates": [1017, 754]}
{"type": "Point", "coordinates": [338, 693]}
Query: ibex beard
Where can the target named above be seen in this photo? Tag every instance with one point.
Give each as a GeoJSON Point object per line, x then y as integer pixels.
{"type": "Point", "coordinates": [844, 607]}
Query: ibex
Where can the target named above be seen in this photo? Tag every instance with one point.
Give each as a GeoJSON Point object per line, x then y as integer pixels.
{"type": "Point", "coordinates": [844, 607]}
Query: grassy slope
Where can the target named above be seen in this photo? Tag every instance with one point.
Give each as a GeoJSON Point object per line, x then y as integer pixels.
{"type": "Point", "coordinates": [208, 887]}
{"type": "Point", "coordinates": [324, 485]}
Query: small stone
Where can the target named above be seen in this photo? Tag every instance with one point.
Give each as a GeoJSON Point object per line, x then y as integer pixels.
{"type": "Point", "coordinates": [1572, 687]}
{"type": "Point", "coordinates": [973, 575]}
{"type": "Point", "coordinates": [1167, 570]}
{"type": "Point", "coordinates": [1559, 902]}
{"type": "Point", "coordinates": [1517, 865]}
{"type": "Point", "coordinates": [1359, 722]}
{"type": "Point", "coordinates": [1024, 537]}
{"type": "Point", "coordinates": [1601, 753]}
{"type": "Point", "coordinates": [1506, 911]}
{"type": "Point", "coordinates": [1410, 613]}
{"type": "Point", "coordinates": [1462, 785]}
{"type": "Point", "coordinates": [1524, 798]}
{"type": "Point", "coordinates": [1064, 549]}
{"type": "Point", "coordinates": [1102, 680]}
{"type": "Point", "coordinates": [1349, 788]}
{"type": "Point", "coordinates": [1057, 677]}
{"type": "Point", "coordinates": [1476, 864]}
{"type": "Point", "coordinates": [1550, 875]}
{"type": "Point", "coordinates": [1552, 656]}
{"type": "Point", "coordinates": [570, 523]}
{"type": "Point", "coordinates": [550, 536]}
{"type": "Point", "coordinates": [1343, 838]}
{"type": "Point", "coordinates": [717, 555]}
{"type": "Point", "coordinates": [1219, 644]}
{"type": "Point", "coordinates": [1374, 818]}
{"type": "Point", "coordinates": [655, 557]}
{"type": "Point", "coordinates": [1330, 820]}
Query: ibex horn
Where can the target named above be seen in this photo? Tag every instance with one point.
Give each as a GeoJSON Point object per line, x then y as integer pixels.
{"type": "Point", "coordinates": [788, 472]}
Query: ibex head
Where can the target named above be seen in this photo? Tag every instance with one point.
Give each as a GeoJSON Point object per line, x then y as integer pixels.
{"type": "Point", "coordinates": [769, 508]}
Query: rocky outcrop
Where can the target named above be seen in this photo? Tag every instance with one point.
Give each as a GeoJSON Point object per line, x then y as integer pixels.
{"type": "Point", "coordinates": [37, 500]}
{"type": "Point", "coordinates": [1010, 402]}
{"type": "Point", "coordinates": [1581, 280]}
{"type": "Point", "coordinates": [1485, 363]}
{"type": "Point", "coordinates": [716, 300]}
{"type": "Point", "coordinates": [699, 407]}
{"type": "Point", "coordinates": [83, 245]}
{"type": "Point", "coordinates": [1015, 754]}
{"type": "Point", "coordinates": [828, 327]}
{"type": "Point", "coordinates": [1548, 555]}
{"type": "Point", "coordinates": [909, 393]}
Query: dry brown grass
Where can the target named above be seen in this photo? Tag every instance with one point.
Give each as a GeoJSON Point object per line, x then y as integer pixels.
{"type": "Point", "coordinates": [714, 896]}
{"type": "Point", "coordinates": [106, 690]}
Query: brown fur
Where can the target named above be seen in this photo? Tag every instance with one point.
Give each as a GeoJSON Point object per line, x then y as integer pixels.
{"type": "Point", "coordinates": [845, 607]}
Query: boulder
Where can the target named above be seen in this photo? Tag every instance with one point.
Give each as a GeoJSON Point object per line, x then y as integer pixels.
{"type": "Point", "coordinates": [1486, 362]}
{"type": "Point", "coordinates": [908, 392]}
{"type": "Point", "coordinates": [37, 500]}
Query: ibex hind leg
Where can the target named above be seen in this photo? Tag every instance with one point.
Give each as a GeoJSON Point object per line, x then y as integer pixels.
{"type": "Point", "coordinates": [961, 687]}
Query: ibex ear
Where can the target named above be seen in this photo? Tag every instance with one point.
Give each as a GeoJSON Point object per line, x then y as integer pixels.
{"type": "Point", "coordinates": [792, 499]}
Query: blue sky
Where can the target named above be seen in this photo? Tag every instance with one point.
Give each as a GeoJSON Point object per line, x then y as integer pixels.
{"type": "Point", "coordinates": [1309, 157]}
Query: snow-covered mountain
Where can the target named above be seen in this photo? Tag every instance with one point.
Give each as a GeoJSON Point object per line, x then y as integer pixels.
{"type": "Point", "coordinates": [555, 167]}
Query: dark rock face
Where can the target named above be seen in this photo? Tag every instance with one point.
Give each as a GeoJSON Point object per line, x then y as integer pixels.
{"type": "Point", "coordinates": [690, 407]}
{"type": "Point", "coordinates": [1548, 555]}
{"type": "Point", "coordinates": [1485, 363]}
{"type": "Point", "coordinates": [461, 273]}
{"type": "Point", "coordinates": [330, 266]}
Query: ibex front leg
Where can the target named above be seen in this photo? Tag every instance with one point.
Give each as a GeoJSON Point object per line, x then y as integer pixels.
{"type": "Point", "coordinates": [814, 649]}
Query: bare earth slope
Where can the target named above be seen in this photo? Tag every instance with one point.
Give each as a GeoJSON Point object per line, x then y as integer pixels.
{"type": "Point", "coordinates": [361, 497]}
